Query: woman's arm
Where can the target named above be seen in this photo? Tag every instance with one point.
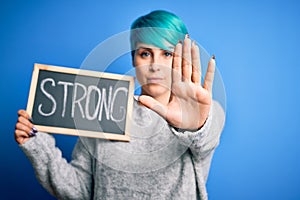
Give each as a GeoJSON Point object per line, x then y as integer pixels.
{"type": "Point", "coordinates": [64, 180]}
{"type": "Point", "coordinates": [206, 139]}
{"type": "Point", "coordinates": [191, 106]}
{"type": "Point", "coordinates": [203, 142]}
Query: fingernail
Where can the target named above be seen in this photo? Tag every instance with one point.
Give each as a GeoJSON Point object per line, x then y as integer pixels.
{"type": "Point", "coordinates": [187, 36]}
{"type": "Point", "coordinates": [213, 56]}
{"type": "Point", "coordinates": [34, 130]}
{"type": "Point", "coordinates": [194, 43]}
{"type": "Point", "coordinates": [179, 42]}
{"type": "Point", "coordinates": [32, 133]}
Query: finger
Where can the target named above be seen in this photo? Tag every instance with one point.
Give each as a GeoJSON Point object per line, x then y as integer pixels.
{"type": "Point", "coordinates": [196, 64]}
{"type": "Point", "coordinates": [154, 105]}
{"type": "Point", "coordinates": [210, 73]}
{"type": "Point", "coordinates": [22, 127]}
{"type": "Point", "coordinates": [186, 59]}
{"type": "Point", "coordinates": [177, 59]}
{"type": "Point", "coordinates": [21, 136]}
{"type": "Point", "coordinates": [24, 114]}
{"type": "Point", "coordinates": [25, 121]}
{"type": "Point", "coordinates": [31, 131]}
{"type": "Point", "coordinates": [20, 133]}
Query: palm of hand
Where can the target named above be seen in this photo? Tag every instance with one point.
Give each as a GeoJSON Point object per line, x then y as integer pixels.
{"type": "Point", "coordinates": [188, 103]}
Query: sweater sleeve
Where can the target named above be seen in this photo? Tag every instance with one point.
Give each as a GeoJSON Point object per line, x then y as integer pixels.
{"type": "Point", "coordinates": [203, 142]}
{"type": "Point", "coordinates": [62, 179]}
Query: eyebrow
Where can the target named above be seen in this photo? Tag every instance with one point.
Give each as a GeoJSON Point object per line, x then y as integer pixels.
{"type": "Point", "coordinates": [149, 49]}
{"type": "Point", "coordinates": [141, 47]}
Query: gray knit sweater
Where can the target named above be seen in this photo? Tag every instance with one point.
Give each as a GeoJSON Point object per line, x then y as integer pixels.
{"type": "Point", "coordinates": [159, 162]}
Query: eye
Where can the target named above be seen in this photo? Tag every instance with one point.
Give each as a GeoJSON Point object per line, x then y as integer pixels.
{"type": "Point", "coordinates": [168, 54]}
{"type": "Point", "coordinates": [145, 54]}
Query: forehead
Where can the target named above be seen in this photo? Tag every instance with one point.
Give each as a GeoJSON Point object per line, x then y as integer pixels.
{"type": "Point", "coordinates": [140, 45]}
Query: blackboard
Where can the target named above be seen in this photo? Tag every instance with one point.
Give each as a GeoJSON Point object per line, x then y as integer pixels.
{"type": "Point", "coordinates": [80, 102]}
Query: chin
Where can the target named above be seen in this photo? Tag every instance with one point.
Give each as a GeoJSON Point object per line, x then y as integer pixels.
{"type": "Point", "coordinates": [155, 90]}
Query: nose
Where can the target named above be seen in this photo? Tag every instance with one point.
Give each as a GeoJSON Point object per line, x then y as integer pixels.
{"type": "Point", "coordinates": [154, 67]}
{"type": "Point", "coordinates": [155, 63]}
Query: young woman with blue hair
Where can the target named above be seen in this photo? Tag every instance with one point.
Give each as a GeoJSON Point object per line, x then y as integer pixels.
{"type": "Point", "coordinates": [175, 127]}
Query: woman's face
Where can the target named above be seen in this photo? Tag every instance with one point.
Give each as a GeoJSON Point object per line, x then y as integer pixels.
{"type": "Point", "coordinates": [153, 69]}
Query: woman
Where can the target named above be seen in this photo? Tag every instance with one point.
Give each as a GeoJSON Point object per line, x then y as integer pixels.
{"type": "Point", "coordinates": [175, 128]}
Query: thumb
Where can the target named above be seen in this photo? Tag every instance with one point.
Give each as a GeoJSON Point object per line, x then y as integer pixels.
{"type": "Point", "coordinates": [154, 105]}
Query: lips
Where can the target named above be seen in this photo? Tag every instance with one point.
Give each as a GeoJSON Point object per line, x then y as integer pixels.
{"type": "Point", "coordinates": [154, 80]}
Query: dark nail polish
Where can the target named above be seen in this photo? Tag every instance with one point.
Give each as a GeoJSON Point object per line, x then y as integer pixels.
{"type": "Point", "coordinates": [31, 133]}
{"type": "Point", "coordinates": [34, 130]}
{"type": "Point", "coordinates": [213, 56]}
{"type": "Point", "coordinates": [187, 36]}
{"type": "Point", "coordinates": [179, 42]}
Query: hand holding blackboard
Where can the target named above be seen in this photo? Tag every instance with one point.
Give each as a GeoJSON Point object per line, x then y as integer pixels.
{"type": "Point", "coordinates": [80, 102]}
{"type": "Point", "coordinates": [24, 127]}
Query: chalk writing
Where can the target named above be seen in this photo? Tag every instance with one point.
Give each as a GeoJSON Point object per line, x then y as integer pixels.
{"type": "Point", "coordinates": [78, 101]}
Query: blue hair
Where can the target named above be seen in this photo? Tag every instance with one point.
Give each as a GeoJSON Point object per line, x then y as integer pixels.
{"type": "Point", "coordinates": [158, 28]}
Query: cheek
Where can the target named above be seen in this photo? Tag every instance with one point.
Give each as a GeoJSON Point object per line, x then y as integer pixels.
{"type": "Point", "coordinates": [140, 74]}
{"type": "Point", "coordinates": [168, 73]}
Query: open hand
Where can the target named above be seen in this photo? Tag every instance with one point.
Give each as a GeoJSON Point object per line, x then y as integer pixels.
{"type": "Point", "coordinates": [190, 102]}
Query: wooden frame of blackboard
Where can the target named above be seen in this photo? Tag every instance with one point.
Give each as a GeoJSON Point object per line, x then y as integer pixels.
{"type": "Point", "coordinates": [78, 132]}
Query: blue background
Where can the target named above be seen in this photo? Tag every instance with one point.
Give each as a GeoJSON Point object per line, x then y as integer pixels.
{"type": "Point", "coordinates": [256, 46]}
